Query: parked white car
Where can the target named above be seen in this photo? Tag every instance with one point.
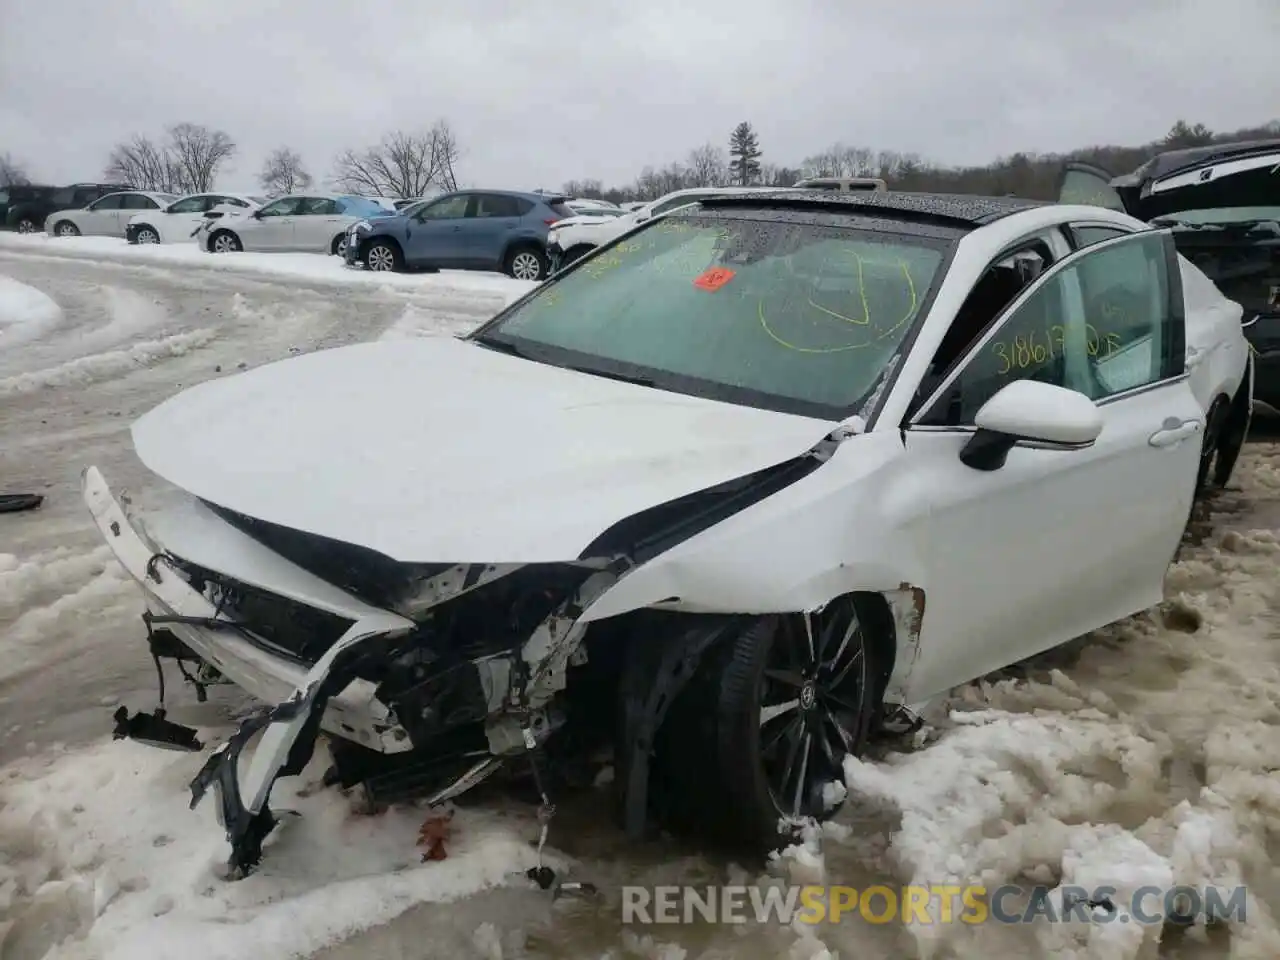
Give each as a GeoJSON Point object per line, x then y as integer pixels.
{"type": "Point", "coordinates": [313, 223]}
{"type": "Point", "coordinates": [575, 237]}
{"type": "Point", "coordinates": [177, 222]}
{"type": "Point", "coordinates": [786, 466]}
{"type": "Point", "coordinates": [106, 216]}
{"type": "Point", "coordinates": [598, 208]}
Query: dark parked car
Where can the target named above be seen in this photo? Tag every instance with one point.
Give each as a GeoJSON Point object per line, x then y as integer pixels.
{"type": "Point", "coordinates": [30, 205]}
{"type": "Point", "coordinates": [1223, 202]}
{"type": "Point", "coordinates": [467, 229]}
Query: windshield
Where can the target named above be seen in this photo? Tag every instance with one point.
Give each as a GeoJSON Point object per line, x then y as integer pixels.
{"type": "Point", "coordinates": [795, 317]}
{"type": "Point", "coordinates": [1223, 215]}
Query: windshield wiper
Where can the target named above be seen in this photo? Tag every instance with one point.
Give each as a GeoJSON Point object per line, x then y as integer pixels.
{"type": "Point", "coordinates": [624, 377]}
{"type": "Point", "coordinates": [500, 346]}
{"type": "Point", "coordinates": [507, 347]}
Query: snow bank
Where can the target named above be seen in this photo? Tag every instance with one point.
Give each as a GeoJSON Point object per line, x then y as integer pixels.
{"type": "Point", "coordinates": [100, 851]}
{"type": "Point", "coordinates": [313, 268]}
{"type": "Point", "coordinates": [105, 366]}
{"type": "Point", "coordinates": [25, 312]}
{"type": "Point", "coordinates": [1135, 770]}
{"type": "Point", "coordinates": [53, 596]}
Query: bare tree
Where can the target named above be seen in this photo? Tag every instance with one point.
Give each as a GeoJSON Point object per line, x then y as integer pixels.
{"type": "Point", "coordinates": [283, 173]}
{"type": "Point", "coordinates": [402, 165]}
{"type": "Point", "coordinates": [593, 189]}
{"type": "Point", "coordinates": [12, 173]}
{"type": "Point", "coordinates": [144, 164]}
{"type": "Point", "coordinates": [707, 166]}
{"type": "Point", "coordinates": [187, 161]}
{"type": "Point", "coordinates": [199, 152]}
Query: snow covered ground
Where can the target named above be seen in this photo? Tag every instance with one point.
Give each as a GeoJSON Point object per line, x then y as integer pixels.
{"type": "Point", "coordinates": [1145, 753]}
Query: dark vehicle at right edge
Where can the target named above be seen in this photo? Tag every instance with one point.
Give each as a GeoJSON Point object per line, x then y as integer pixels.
{"type": "Point", "coordinates": [500, 230]}
{"type": "Point", "coordinates": [1223, 205]}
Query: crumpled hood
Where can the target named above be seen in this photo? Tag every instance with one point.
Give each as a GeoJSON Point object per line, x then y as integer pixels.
{"type": "Point", "coordinates": [439, 450]}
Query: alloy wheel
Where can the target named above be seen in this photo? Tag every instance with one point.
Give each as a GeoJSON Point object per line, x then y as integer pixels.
{"type": "Point", "coordinates": [224, 243]}
{"type": "Point", "coordinates": [67, 230]}
{"type": "Point", "coordinates": [26, 226]}
{"type": "Point", "coordinates": [812, 702]}
{"type": "Point", "coordinates": [526, 266]}
{"type": "Point", "coordinates": [380, 259]}
{"type": "Point", "coordinates": [146, 235]}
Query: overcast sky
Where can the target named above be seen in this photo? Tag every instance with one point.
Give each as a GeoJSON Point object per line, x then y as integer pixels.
{"type": "Point", "coordinates": [540, 93]}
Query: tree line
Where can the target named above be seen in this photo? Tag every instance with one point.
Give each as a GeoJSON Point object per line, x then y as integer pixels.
{"type": "Point", "coordinates": [188, 158]}
{"type": "Point", "coordinates": [1025, 174]}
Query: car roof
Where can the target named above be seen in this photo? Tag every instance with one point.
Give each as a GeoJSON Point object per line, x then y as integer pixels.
{"type": "Point", "coordinates": [963, 211]}
{"type": "Point", "coordinates": [1172, 161]}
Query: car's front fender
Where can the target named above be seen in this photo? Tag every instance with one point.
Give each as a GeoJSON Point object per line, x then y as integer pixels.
{"type": "Point", "coordinates": [836, 531]}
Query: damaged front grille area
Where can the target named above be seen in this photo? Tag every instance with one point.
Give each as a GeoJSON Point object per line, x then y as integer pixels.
{"type": "Point", "coordinates": [373, 577]}
{"type": "Point", "coordinates": [281, 625]}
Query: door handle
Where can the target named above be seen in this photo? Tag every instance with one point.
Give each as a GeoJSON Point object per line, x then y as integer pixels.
{"type": "Point", "coordinates": [1174, 432]}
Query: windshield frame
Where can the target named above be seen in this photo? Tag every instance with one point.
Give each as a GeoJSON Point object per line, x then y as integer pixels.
{"type": "Point", "coordinates": [944, 241]}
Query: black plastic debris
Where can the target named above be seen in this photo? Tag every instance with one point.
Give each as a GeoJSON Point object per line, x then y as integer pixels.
{"type": "Point", "coordinates": [16, 502]}
{"type": "Point", "coordinates": [154, 730]}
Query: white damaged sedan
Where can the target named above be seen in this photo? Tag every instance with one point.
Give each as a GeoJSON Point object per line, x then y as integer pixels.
{"type": "Point", "coordinates": [727, 496]}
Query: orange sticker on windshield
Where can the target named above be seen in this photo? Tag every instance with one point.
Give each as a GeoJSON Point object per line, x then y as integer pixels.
{"type": "Point", "coordinates": [713, 279]}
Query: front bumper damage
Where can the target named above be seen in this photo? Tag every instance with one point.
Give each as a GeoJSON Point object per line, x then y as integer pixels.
{"type": "Point", "coordinates": [330, 695]}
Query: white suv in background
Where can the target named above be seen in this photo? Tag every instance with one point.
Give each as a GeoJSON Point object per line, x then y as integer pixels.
{"type": "Point", "coordinates": [178, 221]}
{"type": "Point", "coordinates": [574, 237]}
{"type": "Point", "coordinates": [106, 216]}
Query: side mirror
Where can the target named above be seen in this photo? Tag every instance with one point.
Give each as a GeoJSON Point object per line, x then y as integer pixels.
{"type": "Point", "coordinates": [257, 214]}
{"type": "Point", "coordinates": [642, 215]}
{"type": "Point", "coordinates": [1026, 410]}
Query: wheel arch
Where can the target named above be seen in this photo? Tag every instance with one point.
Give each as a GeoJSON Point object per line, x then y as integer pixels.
{"type": "Point", "coordinates": [523, 243]}
{"type": "Point", "coordinates": [221, 230]}
{"type": "Point", "coordinates": [368, 241]}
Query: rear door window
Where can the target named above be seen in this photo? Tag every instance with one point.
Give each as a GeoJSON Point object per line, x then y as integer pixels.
{"type": "Point", "coordinates": [496, 205]}
{"type": "Point", "coordinates": [138, 201]}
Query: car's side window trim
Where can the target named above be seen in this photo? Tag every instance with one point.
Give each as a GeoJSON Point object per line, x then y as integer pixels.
{"type": "Point", "coordinates": [1066, 263]}
{"type": "Point", "coordinates": [1028, 243]}
{"type": "Point", "coordinates": [1068, 230]}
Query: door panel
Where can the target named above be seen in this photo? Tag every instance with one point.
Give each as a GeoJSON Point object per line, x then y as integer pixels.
{"type": "Point", "coordinates": [274, 230]}
{"type": "Point", "coordinates": [101, 218]}
{"type": "Point", "coordinates": [1053, 544]}
{"type": "Point", "coordinates": [488, 231]}
{"type": "Point", "coordinates": [435, 236]}
{"type": "Point", "coordinates": [1060, 541]}
{"type": "Point", "coordinates": [316, 224]}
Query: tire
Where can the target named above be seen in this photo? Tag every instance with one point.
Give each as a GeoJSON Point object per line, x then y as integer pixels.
{"type": "Point", "coordinates": [27, 225]}
{"type": "Point", "coordinates": [1213, 430]}
{"type": "Point", "coordinates": [526, 262]}
{"type": "Point", "coordinates": [724, 773]}
{"type": "Point", "coordinates": [146, 235]}
{"type": "Point", "coordinates": [339, 246]}
{"type": "Point", "coordinates": [1234, 433]}
{"type": "Point", "coordinates": [224, 241]}
{"type": "Point", "coordinates": [65, 228]}
{"type": "Point", "coordinates": [383, 257]}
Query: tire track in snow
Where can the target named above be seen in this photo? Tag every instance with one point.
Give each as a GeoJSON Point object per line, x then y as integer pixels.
{"type": "Point", "coordinates": [109, 365]}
